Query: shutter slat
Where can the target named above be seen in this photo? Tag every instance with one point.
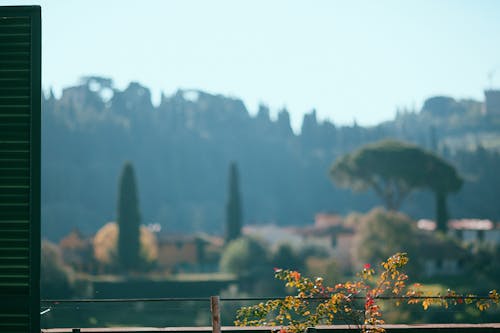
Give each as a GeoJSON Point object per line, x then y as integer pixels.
{"type": "Point", "coordinates": [15, 181]}
{"type": "Point", "coordinates": [15, 29]}
{"type": "Point", "coordinates": [21, 119]}
{"type": "Point", "coordinates": [14, 172]}
{"type": "Point", "coordinates": [14, 154]}
{"type": "Point", "coordinates": [14, 145]}
{"type": "Point", "coordinates": [14, 38]}
{"type": "Point", "coordinates": [14, 269]}
{"type": "Point", "coordinates": [14, 100]}
{"type": "Point", "coordinates": [9, 83]}
{"type": "Point", "coordinates": [10, 190]}
{"type": "Point", "coordinates": [12, 198]}
{"type": "Point", "coordinates": [14, 289]}
{"type": "Point", "coordinates": [17, 47]}
{"type": "Point", "coordinates": [13, 163]}
{"type": "Point", "coordinates": [15, 56]}
{"type": "Point", "coordinates": [7, 133]}
{"type": "Point", "coordinates": [13, 64]}
{"type": "Point", "coordinates": [11, 108]}
{"type": "Point", "coordinates": [12, 227]}
{"type": "Point", "coordinates": [14, 74]}
{"type": "Point", "coordinates": [12, 90]}
{"type": "Point", "coordinates": [14, 211]}
{"type": "Point", "coordinates": [7, 20]}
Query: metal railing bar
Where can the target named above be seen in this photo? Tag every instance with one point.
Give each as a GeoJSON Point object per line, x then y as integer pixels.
{"type": "Point", "coordinates": [125, 300]}
{"type": "Point", "coordinates": [242, 299]}
{"type": "Point", "coordinates": [356, 297]}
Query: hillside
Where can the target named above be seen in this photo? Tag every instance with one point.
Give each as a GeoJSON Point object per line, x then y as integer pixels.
{"type": "Point", "coordinates": [182, 148]}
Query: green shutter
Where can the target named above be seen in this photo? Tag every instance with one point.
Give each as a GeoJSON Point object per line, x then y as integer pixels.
{"type": "Point", "coordinates": [20, 93]}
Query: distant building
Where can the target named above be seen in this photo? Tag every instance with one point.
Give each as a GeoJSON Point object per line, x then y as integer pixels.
{"type": "Point", "coordinates": [467, 230]}
{"type": "Point", "coordinates": [475, 230]}
{"type": "Point", "coordinates": [328, 234]}
{"type": "Point", "coordinates": [492, 102]}
{"type": "Point", "coordinates": [274, 235]}
{"type": "Point", "coordinates": [323, 220]}
{"type": "Point", "coordinates": [189, 254]}
{"type": "Point", "coordinates": [333, 236]}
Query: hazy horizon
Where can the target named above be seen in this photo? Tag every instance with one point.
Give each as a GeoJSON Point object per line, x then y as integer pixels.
{"type": "Point", "coordinates": [350, 61]}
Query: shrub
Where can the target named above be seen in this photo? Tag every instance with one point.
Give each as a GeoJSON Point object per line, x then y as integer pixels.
{"type": "Point", "coordinates": [316, 303]}
{"type": "Point", "coordinates": [244, 256]}
{"type": "Point", "coordinates": [382, 233]}
{"type": "Point", "coordinates": [106, 253]}
{"type": "Point", "coordinates": [56, 279]}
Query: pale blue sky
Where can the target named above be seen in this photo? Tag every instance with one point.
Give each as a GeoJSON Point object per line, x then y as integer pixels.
{"type": "Point", "coordinates": [348, 59]}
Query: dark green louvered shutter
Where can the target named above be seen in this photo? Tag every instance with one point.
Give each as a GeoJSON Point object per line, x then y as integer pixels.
{"type": "Point", "coordinates": [20, 92]}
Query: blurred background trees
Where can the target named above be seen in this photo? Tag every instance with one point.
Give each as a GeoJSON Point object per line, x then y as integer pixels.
{"type": "Point", "coordinates": [182, 148]}
{"type": "Point", "coordinates": [244, 257]}
{"type": "Point", "coordinates": [393, 169]}
{"type": "Point", "coordinates": [56, 278]}
{"type": "Point", "coordinates": [201, 136]}
{"type": "Point", "coordinates": [381, 233]}
{"type": "Point", "coordinates": [106, 250]}
{"type": "Point", "coordinates": [390, 168]}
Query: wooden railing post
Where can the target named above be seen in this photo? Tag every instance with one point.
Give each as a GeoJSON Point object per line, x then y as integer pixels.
{"type": "Point", "coordinates": [214, 307]}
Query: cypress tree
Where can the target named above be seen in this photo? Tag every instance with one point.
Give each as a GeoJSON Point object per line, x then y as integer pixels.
{"type": "Point", "coordinates": [128, 220]}
{"type": "Point", "coordinates": [233, 206]}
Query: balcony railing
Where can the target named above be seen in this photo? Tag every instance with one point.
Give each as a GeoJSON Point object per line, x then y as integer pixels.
{"type": "Point", "coordinates": [417, 328]}
{"type": "Point", "coordinates": [216, 314]}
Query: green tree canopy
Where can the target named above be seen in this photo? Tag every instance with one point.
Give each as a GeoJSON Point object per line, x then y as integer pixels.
{"type": "Point", "coordinates": [287, 258]}
{"type": "Point", "coordinates": [380, 233]}
{"type": "Point", "coordinates": [393, 169]}
{"type": "Point", "coordinates": [245, 256]}
{"type": "Point", "coordinates": [387, 167]}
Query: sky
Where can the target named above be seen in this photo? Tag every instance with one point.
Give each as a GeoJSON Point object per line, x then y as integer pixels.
{"type": "Point", "coordinates": [350, 60]}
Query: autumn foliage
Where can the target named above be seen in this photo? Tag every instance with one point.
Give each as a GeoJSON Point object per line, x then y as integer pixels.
{"type": "Point", "coordinates": [106, 247]}
{"type": "Point", "coordinates": [351, 302]}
